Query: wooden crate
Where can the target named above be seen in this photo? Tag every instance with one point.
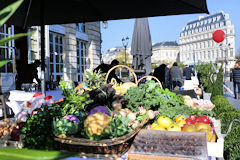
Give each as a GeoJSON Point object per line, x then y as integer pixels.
{"type": "Point", "coordinates": [168, 145]}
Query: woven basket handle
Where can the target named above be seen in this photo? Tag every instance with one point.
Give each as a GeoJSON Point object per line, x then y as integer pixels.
{"type": "Point", "coordinates": [150, 77]}
{"type": "Point", "coordinates": [117, 66]}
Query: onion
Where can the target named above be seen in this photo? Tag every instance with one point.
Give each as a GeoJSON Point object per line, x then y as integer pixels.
{"type": "Point", "coordinates": [150, 114]}
{"type": "Point", "coordinates": [135, 124]}
{"type": "Point", "coordinates": [128, 110]}
{"type": "Point", "coordinates": [116, 105]}
{"type": "Point", "coordinates": [132, 116]}
{"type": "Point", "coordinates": [123, 113]}
{"type": "Point", "coordinates": [142, 110]}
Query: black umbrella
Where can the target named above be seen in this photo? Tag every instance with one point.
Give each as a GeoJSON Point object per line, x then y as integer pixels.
{"type": "Point", "coordinates": [46, 12]}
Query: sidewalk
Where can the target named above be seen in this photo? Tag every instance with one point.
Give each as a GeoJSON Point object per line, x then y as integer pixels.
{"type": "Point", "coordinates": [230, 97]}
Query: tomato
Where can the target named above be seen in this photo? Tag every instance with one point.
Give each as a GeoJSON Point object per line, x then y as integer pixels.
{"type": "Point", "coordinates": [189, 121]}
{"type": "Point", "coordinates": [193, 117]}
{"type": "Point", "coordinates": [199, 120]}
{"type": "Point", "coordinates": [205, 119]}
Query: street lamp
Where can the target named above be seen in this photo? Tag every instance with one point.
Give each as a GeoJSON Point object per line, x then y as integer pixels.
{"type": "Point", "coordinates": [125, 44]}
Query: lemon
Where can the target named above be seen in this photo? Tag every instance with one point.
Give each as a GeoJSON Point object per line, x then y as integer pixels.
{"type": "Point", "coordinates": [157, 127]}
{"type": "Point", "coordinates": [174, 127]}
{"type": "Point", "coordinates": [178, 118]}
{"type": "Point", "coordinates": [164, 122]}
{"type": "Point", "coordinates": [181, 123]}
{"type": "Point", "coordinates": [154, 124]}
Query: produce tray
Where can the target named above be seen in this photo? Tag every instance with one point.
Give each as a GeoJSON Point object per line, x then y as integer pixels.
{"type": "Point", "coordinates": [154, 144]}
{"type": "Point", "coordinates": [115, 147]}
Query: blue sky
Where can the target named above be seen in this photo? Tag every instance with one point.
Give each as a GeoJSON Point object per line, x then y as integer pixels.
{"type": "Point", "coordinates": [168, 28]}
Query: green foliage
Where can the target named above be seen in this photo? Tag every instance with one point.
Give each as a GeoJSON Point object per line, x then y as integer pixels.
{"type": "Point", "coordinates": [221, 108]}
{"type": "Point", "coordinates": [213, 98]}
{"type": "Point", "coordinates": [65, 127]}
{"type": "Point", "coordinates": [218, 84]}
{"type": "Point", "coordinates": [3, 62]}
{"type": "Point", "coordinates": [220, 101]}
{"type": "Point", "coordinates": [94, 79]}
{"type": "Point", "coordinates": [232, 144]}
{"type": "Point", "coordinates": [8, 11]}
{"type": "Point", "coordinates": [118, 127]}
{"type": "Point", "coordinates": [39, 131]}
{"type": "Point", "coordinates": [174, 111]}
{"type": "Point", "coordinates": [5, 14]}
{"type": "Point", "coordinates": [151, 96]}
{"type": "Point", "coordinates": [30, 154]}
{"type": "Point", "coordinates": [74, 101]}
{"type": "Point", "coordinates": [205, 70]}
{"type": "Point", "coordinates": [154, 65]}
{"type": "Point", "coordinates": [181, 66]}
{"type": "Point", "coordinates": [226, 118]}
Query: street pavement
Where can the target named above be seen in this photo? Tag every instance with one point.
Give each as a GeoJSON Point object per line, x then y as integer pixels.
{"type": "Point", "coordinates": [230, 97]}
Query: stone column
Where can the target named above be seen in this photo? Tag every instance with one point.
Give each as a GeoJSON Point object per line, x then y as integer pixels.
{"type": "Point", "coordinates": [94, 44]}
{"type": "Point", "coordinates": [70, 54]}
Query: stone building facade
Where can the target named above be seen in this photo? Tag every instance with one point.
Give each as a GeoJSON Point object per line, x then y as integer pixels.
{"type": "Point", "coordinates": [197, 45]}
{"type": "Point", "coordinates": [70, 50]}
{"type": "Point", "coordinates": [165, 52]}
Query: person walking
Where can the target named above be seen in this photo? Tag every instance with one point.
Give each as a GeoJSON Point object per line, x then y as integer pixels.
{"type": "Point", "coordinates": [176, 76]}
{"type": "Point", "coordinates": [235, 76]}
{"type": "Point", "coordinates": [30, 72]}
{"type": "Point", "coordinates": [159, 73]}
{"type": "Point", "coordinates": [188, 72]}
{"type": "Point", "coordinates": [104, 68]}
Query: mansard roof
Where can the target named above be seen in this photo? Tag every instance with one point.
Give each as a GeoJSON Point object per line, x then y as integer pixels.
{"type": "Point", "coordinates": [166, 44]}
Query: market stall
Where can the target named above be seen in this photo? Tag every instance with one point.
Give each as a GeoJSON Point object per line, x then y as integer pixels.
{"type": "Point", "coordinates": [103, 120]}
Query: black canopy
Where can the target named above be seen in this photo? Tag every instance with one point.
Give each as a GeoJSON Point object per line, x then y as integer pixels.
{"type": "Point", "coordinates": [73, 11]}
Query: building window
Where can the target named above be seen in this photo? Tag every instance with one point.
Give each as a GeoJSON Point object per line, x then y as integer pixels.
{"type": "Point", "coordinates": [81, 27]}
{"type": "Point", "coordinates": [209, 55]}
{"type": "Point", "coordinates": [221, 24]}
{"type": "Point", "coordinates": [56, 43]}
{"type": "Point", "coordinates": [217, 25]}
{"type": "Point", "coordinates": [82, 55]}
{"type": "Point", "coordinates": [7, 50]}
{"type": "Point", "coordinates": [231, 52]}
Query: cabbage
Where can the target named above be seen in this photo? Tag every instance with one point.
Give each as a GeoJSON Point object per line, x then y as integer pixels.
{"type": "Point", "coordinates": [101, 109]}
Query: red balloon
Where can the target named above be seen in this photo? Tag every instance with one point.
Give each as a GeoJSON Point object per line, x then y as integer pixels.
{"type": "Point", "coordinates": [218, 36]}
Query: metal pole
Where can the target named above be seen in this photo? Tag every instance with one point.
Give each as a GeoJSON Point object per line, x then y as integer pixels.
{"type": "Point", "coordinates": [42, 48]}
{"type": "Point", "coordinates": [125, 55]}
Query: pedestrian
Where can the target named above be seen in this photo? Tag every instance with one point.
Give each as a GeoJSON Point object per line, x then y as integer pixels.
{"type": "Point", "coordinates": [188, 72]}
{"type": "Point", "coordinates": [159, 73]}
{"type": "Point", "coordinates": [30, 72]}
{"type": "Point", "coordinates": [176, 76]}
{"type": "Point", "coordinates": [104, 68]}
{"type": "Point", "coordinates": [167, 83]}
{"type": "Point", "coordinates": [235, 77]}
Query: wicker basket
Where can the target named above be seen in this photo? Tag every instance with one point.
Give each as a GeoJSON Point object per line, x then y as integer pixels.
{"type": "Point", "coordinates": [117, 66]}
{"type": "Point", "coordinates": [115, 147]}
{"type": "Point", "coordinates": [149, 77]}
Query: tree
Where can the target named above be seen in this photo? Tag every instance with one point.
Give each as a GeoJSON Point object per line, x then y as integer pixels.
{"type": "Point", "coordinates": [218, 84]}
{"type": "Point", "coordinates": [120, 56]}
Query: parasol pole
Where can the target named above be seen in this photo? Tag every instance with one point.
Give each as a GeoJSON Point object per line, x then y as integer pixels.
{"type": "Point", "coordinates": [42, 16]}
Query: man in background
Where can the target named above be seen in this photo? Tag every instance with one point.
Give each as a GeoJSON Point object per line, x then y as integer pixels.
{"type": "Point", "coordinates": [30, 72]}
{"type": "Point", "coordinates": [104, 68]}
{"type": "Point", "coordinates": [188, 72]}
{"type": "Point", "coordinates": [176, 75]}
{"type": "Point", "coordinates": [235, 77]}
